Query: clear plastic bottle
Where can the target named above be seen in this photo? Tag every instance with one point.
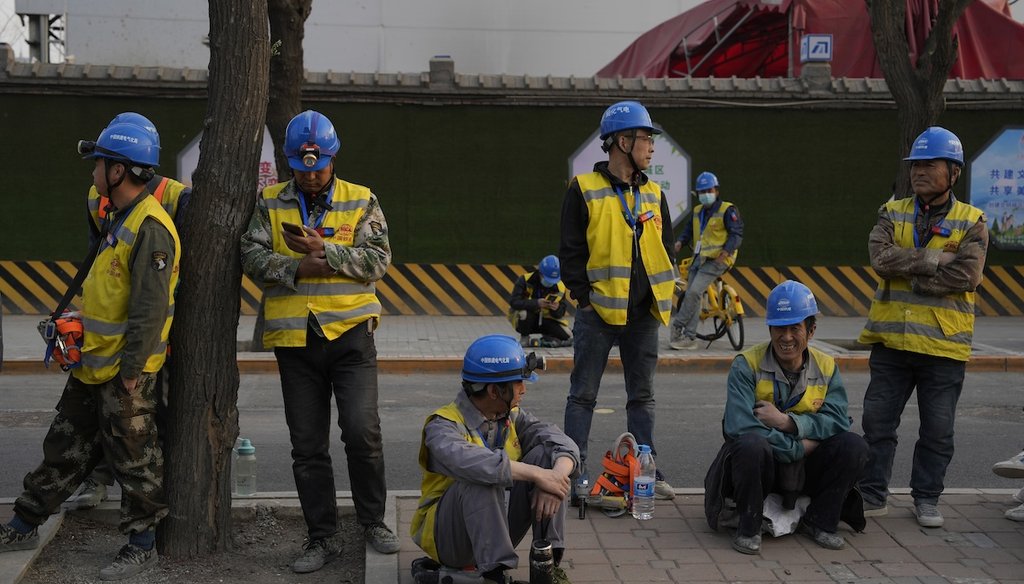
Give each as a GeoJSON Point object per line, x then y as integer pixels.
{"type": "Point", "coordinates": [234, 465]}
{"type": "Point", "coordinates": [245, 469]}
{"type": "Point", "coordinates": [643, 485]}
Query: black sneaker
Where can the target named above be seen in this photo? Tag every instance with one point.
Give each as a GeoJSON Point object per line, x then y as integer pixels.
{"type": "Point", "coordinates": [12, 540]}
{"type": "Point", "coordinates": [314, 555]}
{"type": "Point", "coordinates": [130, 560]}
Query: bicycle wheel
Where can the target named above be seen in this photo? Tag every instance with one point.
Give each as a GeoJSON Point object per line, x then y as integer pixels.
{"type": "Point", "coordinates": [735, 328]}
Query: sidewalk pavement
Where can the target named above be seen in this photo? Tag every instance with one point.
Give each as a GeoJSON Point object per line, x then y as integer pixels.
{"type": "Point", "coordinates": [977, 544]}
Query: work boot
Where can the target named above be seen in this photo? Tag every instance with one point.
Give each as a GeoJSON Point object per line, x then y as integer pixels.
{"type": "Point", "coordinates": [89, 494]}
{"type": "Point", "coordinates": [928, 515]}
{"type": "Point", "coordinates": [314, 555]}
{"type": "Point", "coordinates": [826, 539]}
{"type": "Point", "coordinates": [381, 538]}
{"type": "Point", "coordinates": [747, 544]}
{"type": "Point", "coordinates": [13, 540]}
{"type": "Point", "coordinates": [130, 560]}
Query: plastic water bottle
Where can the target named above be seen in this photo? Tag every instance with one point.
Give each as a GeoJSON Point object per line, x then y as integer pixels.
{"type": "Point", "coordinates": [245, 469]}
{"type": "Point", "coordinates": [643, 485]}
{"type": "Point", "coordinates": [234, 465]}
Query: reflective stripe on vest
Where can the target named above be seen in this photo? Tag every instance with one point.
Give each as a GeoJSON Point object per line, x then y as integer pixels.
{"type": "Point", "coordinates": [942, 326]}
{"type": "Point", "coordinates": [513, 315]}
{"type": "Point", "coordinates": [610, 241]}
{"type": "Point", "coordinates": [435, 484]}
{"type": "Point", "coordinates": [820, 370]}
{"type": "Point", "coordinates": [712, 238]}
{"type": "Point", "coordinates": [338, 302]}
{"type": "Point", "coordinates": [105, 296]}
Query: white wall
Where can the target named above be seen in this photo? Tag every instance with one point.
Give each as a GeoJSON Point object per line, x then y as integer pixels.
{"type": "Point", "coordinates": [536, 37]}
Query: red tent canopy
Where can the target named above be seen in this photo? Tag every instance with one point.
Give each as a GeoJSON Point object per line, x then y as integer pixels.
{"type": "Point", "coordinates": [761, 38]}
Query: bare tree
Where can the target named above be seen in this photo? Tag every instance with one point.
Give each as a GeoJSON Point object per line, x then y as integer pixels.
{"type": "Point", "coordinates": [203, 412]}
{"type": "Point", "coordinates": [916, 87]}
{"type": "Point", "coordinates": [287, 30]}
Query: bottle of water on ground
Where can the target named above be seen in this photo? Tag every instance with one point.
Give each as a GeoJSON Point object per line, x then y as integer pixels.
{"type": "Point", "coordinates": [245, 469]}
{"type": "Point", "coordinates": [643, 485]}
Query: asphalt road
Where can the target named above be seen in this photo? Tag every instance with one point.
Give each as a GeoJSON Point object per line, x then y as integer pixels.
{"type": "Point", "coordinates": [990, 424]}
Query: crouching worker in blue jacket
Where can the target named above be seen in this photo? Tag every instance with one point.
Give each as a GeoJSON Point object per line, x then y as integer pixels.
{"type": "Point", "coordinates": [787, 431]}
{"type": "Point", "coordinates": [491, 471]}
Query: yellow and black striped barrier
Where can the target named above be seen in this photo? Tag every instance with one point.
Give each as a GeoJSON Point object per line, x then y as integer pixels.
{"type": "Point", "coordinates": [33, 287]}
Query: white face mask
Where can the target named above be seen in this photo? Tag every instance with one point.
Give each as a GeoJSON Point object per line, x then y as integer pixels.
{"type": "Point", "coordinates": [706, 198]}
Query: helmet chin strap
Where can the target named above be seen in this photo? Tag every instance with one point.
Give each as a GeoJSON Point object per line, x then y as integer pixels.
{"type": "Point", "coordinates": [106, 177]}
{"type": "Point", "coordinates": [629, 154]}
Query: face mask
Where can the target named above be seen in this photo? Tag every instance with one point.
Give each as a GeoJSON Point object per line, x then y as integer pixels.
{"type": "Point", "coordinates": [706, 198]}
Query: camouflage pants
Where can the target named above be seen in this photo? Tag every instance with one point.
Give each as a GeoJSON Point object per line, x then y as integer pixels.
{"type": "Point", "coordinates": [93, 422]}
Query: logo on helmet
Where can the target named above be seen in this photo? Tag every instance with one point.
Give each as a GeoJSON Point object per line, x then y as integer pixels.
{"type": "Point", "coordinates": [123, 138]}
{"type": "Point", "coordinates": [495, 360]}
{"type": "Point", "coordinates": [783, 305]}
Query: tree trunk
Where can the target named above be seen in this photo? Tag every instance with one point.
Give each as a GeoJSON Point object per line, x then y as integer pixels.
{"type": "Point", "coordinates": [203, 414]}
{"type": "Point", "coordinates": [287, 29]}
{"type": "Point", "coordinates": [916, 87]}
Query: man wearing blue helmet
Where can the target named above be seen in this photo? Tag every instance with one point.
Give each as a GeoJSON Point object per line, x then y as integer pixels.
{"type": "Point", "coordinates": [616, 256]}
{"type": "Point", "coordinates": [109, 403]}
{"type": "Point", "coordinates": [787, 434]}
{"type": "Point", "coordinates": [537, 305]}
{"type": "Point", "coordinates": [172, 196]}
{"type": "Point", "coordinates": [317, 244]}
{"type": "Point", "coordinates": [491, 470]}
{"type": "Point", "coordinates": [716, 231]}
{"type": "Point", "coordinates": [929, 253]}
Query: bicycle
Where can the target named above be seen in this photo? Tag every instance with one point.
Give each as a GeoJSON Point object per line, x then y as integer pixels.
{"type": "Point", "coordinates": [720, 303]}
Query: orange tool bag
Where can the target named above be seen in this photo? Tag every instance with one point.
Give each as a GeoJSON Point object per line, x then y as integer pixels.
{"type": "Point", "coordinates": [614, 488]}
{"type": "Point", "coordinates": [63, 338]}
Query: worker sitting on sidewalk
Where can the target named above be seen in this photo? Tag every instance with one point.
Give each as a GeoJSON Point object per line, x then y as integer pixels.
{"type": "Point", "coordinates": [537, 305]}
{"type": "Point", "coordinates": [787, 431]}
{"type": "Point", "coordinates": [490, 469]}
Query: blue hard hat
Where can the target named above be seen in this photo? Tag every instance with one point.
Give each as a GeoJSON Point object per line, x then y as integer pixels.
{"type": "Point", "coordinates": [495, 359]}
{"type": "Point", "coordinates": [937, 143]}
{"type": "Point", "coordinates": [139, 120]}
{"type": "Point", "coordinates": [550, 271]}
{"type": "Point", "coordinates": [626, 115]}
{"type": "Point", "coordinates": [790, 303]}
{"type": "Point", "coordinates": [127, 142]}
{"type": "Point", "coordinates": [706, 181]}
{"type": "Point", "coordinates": [310, 142]}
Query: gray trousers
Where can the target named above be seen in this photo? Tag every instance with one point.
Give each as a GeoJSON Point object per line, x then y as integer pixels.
{"type": "Point", "coordinates": [698, 279]}
{"type": "Point", "coordinates": [472, 527]}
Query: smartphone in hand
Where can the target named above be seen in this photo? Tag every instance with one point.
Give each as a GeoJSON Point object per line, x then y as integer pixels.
{"type": "Point", "coordinates": [293, 229]}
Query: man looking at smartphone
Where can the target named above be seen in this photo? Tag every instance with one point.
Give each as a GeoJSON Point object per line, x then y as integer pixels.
{"type": "Point", "coordinates": [537, 305]}
{"type": "Point", "coordinates": [320, 312]}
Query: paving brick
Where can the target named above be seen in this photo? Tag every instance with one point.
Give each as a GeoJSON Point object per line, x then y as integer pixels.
{"type": "Point", "coordinates": [864, 570]}
{"type": "Point", "coordinates": [610, 541]}
{"type": "Point", "coordinates": [746, 571]}
{"type": "Point", "coordinates": [895, 569]}
{"type": "Point", "coordinates": [948, 569]}
{"type": "Point", "coordinates": [932, 553]}
{"type": "Point", "coordinates": [806, 573]}
{"type": "Point", "coordinates": [1003, 571]}
{"type": "Point", "coordinates": [992, 556]}
{"type": "Point", "coordinates": [893, 554]}
{"type": "Point", "coordinates": [592, 556]}
{"type": "Point", "coordinates": [697, 573]}
{"type": "Point", "coordinates": [641, 574]}
{"type": "Point", "coordinates": [787, 555]}
{"type": "Point", "coordinates": [625, 557]}
{"type": "Point", "coordinates": [674, 540]}
{"type": "Point", "coordinates": [685, 555]}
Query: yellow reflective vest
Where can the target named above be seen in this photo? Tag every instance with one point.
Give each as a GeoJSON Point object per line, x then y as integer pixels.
{"type": "Point", "coordinates": [610, 241]}
{"type": "Point", "coordinates": [435, 484]}
{"type": "Point", "coordinates": [338, 302]}
{"type": "Point", "coordinates": [820, 369]}
{"type": "Point", "coordinates": [942, 326]}
{"type": "Point", "coordinates": [106, 292]}
{"type": "Point", "coordinates": [712, 237]}
{"type": "Point", "coordinates": [166, 191]}
{"type": "Point", "coordinates": [513, 315]}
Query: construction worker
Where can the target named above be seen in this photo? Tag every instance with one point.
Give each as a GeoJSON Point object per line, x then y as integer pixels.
{"type": "Point", "coordinates": [716, 231]}
{"type": "Point", "coordinates": [109, 402]}
{"type": "Point", "coordinates": [480, 449]}
{"type": "Point", "coordinates": [172, 196]}
{"type": "Point", "coordinates": [537, 305]}
{"type": "Point", "coordinates": [317, 244]}
{"type": "Point", "coordinates": [617, 262]}
{"type": "Point", "coordinates": [787, 431]}
{"type": "Point", "coordinates": [929, 251]}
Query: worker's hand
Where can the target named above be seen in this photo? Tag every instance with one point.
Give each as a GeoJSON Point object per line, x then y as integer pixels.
{"type": "Point", "coordinates": [314, 265]}
{"type": "Point", "coordinates": [553, 481]}
{"type": "Point", "coordinates": [809, 446]}
{"type": "Point", "coordinates": [678, 246]}
{"type": "Point", "coordinates": [129, 384]}
{"type": "Point", "coordinates": [546, 304]}
{"type": "Point", "coordinates": [769, 415]}
{"type": "Point", "coordinates": [723, 257]}
{"type": "Point", "coordinates": [946, 257]}
{"type": "Point", "coordinates": [553, 305]}
{"type": "Point", "coordinates": [304, 244]}
{"type": "Point", "coordinates": [545, 505]}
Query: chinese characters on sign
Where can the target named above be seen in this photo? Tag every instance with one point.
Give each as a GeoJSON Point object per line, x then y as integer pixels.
{"type": "Point", "coordinates": [670, 168]}
{"type": "Point", "coordinates": [997, 187]}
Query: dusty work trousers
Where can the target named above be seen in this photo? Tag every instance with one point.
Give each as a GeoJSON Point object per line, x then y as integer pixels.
{"type": "Point", "coordinates": [345, 368]}
{"type": "Point", "coordinates": [94, 422]}
{"type": "Point", "coordinates": [473, 528]}
{"type": "Point", "coordinates": [548, 327]}
{"type": "Point", "coordinates": [832, 470]}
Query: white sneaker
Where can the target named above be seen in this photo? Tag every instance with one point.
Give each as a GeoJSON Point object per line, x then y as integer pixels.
{"type": "Point", "coordinates": [684, 344]}
{"type": "Point", "coordinates": [1012, 468]}
{"type": "Point", "coordinates": [928, 515]}
{"type": "Point", "coordinates": [1019, 496]}
{"type": "Point", "coordinates": [1015, 514]}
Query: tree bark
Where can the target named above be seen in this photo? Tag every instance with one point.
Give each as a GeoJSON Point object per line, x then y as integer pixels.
{"type": "Point", "coordinates": [287, 30]}
{"type": "Point", "coordinates": [203, 414]}
{"type": "Point", "coordinates": [916, 87]}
